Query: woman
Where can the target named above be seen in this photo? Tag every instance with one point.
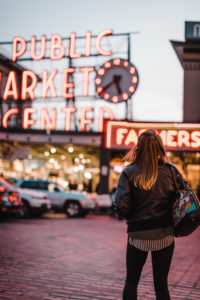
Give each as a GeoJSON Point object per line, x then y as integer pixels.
{"type": "Point", "coordinates": [144, 197]}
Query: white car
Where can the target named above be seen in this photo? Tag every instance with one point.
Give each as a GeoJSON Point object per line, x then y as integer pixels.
{"type": "Point", "coordinates": [34, 202]}
{"type": "Point", "coordinates": [74, 203]}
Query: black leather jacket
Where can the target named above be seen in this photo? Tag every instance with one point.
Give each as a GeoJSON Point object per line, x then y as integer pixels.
{"type": "Point", "coordinates": [147, 209]}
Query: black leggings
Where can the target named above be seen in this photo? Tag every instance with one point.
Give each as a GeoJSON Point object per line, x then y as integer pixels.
{"type": "Point", "coordinates": [135, 260]}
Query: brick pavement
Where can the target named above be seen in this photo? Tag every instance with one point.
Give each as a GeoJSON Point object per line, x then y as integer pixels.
{"type": "Point", "coordinates": [82, 259]}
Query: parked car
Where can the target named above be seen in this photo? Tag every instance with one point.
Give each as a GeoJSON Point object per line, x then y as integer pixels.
{"type": "Point", "coordinates": [33, 202]}
{"type": "Point", "coordinates": [73, 203]}
{"type": "Point", "coordinates": [10, 201]}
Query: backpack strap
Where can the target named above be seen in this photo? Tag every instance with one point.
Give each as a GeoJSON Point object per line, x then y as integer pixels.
{"type": "Point", "coordinates": [174, 178]}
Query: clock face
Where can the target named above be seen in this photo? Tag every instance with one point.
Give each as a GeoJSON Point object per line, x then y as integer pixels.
{"type": "Point", "coordinates": [117, 80]}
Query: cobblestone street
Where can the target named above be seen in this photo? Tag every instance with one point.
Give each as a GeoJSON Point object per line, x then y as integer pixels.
{"type": "Point", "coordinates": [59, 258]}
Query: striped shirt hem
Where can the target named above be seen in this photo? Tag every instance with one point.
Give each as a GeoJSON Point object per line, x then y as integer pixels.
{"type": "Point", "coordinates": [151, 245]}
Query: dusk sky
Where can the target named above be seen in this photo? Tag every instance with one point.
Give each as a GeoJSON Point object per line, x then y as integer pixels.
{"type": "Point", "coordinates": [159, 96]}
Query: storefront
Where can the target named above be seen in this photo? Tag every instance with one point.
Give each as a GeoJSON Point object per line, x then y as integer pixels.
{"type": "Point", "coordinates": [93, 161]}
{"type": "Point", "coordinates": [66, 159]}
{"type": "Point", "coordinates": [182, 142]}
{"type": "Point", "coordinates": [53, 123]}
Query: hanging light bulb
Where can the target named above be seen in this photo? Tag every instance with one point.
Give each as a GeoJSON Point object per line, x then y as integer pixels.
{"type": "Point", "coordinates": [70, 149]}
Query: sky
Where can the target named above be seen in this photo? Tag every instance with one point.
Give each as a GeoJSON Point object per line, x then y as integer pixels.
{"type": "Point", "coordinates": [159, 96]}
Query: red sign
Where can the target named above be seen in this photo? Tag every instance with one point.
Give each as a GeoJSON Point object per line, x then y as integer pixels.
{"type": "Point", "coordinates": [58, 50]}
{"type": "Point", "coordinates": [49, 120]}
{"type": "Point", "coordinates": [175, 136]}
{"type": "Point", "coordinates": [24, 87]}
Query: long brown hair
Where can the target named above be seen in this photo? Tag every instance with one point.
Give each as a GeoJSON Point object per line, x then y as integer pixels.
{"type": "Point", "coordinates": [148, 152]}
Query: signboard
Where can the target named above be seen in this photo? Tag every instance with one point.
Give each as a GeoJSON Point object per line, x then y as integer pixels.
{"type": "Point", "coordinates": [58, 51]}
{"type": "Point", "coordinates": [22, 90]}
{"type": "Point", "coordinates": [192, 31]}
{"type": "Point", "coordinates": [175, 136]}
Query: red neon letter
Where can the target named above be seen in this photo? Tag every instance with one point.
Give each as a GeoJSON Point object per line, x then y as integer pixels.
{"type": "Point", "coordinates": [183, 138]}
{"type": "Point", "coordinates": [56, 44]}
{"type": "Point", "coordinates": [67, 85]}
{"type": "Point", "coordinates": [7, 115]}
{"type": "Point", "coordinates": [11, 87]}
{"type": "Point", "coordinates": [83, 120]}
{"type": "Point", "coordinates": [170, 138]}
{"type": "Point", "coordinates": [72, 53]}
{"type": "Point", "coordinates": [16, 53]}
{"type": "Point", "coordinates": [120, 135]}
{"type": "Point", "coordinates": [28, 90]}
{"type": "Point", "coordinates": [86, 71]}
{"type": "Point", "coordinates": [45, 120]}
{"type": "Point", "coordinates": [42, 48]}
{"type": "Point", "coordinates": [47, 83]}
{"type": "Point", "coordinates": [195, 137]}
{"type": "Point", "coordinates": [98, 42]}
{"type": "Point", "coordinates": [131, 138]}
{"type": "Point", "coordinates": [27, 122]}
{"type": "Point", "coordinates": [102, 111]}
{"type": "Point", "coordinates": [88, 44]}
{"type": "Point", "coordinates": [163, 135]}
{"type": "Point", "coordinates": [68, 111]}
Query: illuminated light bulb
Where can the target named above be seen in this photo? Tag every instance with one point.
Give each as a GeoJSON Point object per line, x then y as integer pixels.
{"type": "Point", "coordinates": [46, 153]}
{"type": "Point", "coordinates": [76, 159]}
{"type": "Point", "coordinates": [63, 157]}
{"type": "Point", "coordinates": [131, 89]}
{"type": "Point", "coordinates": [99, 89]}
{"type": "Point", "coordinates": [107, 64]}
{"type": "Point", "coordinates": [125, 96]}
{"type": "Point", "coordinates": [81, 155]}
{"type": "Point", "coordinates": [83, 161]}
{"type": "Point", "coordinates": [88, 160]}
{"type": "Point", "coordinates": [81, 167]}
{"type": "Point", "coordinates": [76, 169]}
{"type": "Point", "coordinates": [53, 150]}
{"type": "Point", "coordinates": [51, 160]}
{"type": "Point", "coordinates": [134, 79]}
{"type": "Point", "coordinates": [88, 175]}
{"type": "Point", "coordinates": [106, 96]}
{"type": "Point", "coordinates": [115, 99]}
{"type": "Point", "coordinates": [98, 80]}
{"type": "Point", "coordinates": [101, 71]}
{"type": "Point", "coordinates": [132, 70]}
{"type": "Point", "coordinates": [116, 61]}
{"type": "Point", "coordinates": [70, 149]}
{"type": "Point", "coordinates": [126, 63]}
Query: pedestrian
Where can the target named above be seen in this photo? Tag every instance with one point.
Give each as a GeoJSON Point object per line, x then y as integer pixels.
{"type": "Point", "coordinates": [144, 197]}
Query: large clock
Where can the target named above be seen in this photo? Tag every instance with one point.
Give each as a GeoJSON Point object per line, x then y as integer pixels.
{"type": "Point", "coordinates": [116, 80]}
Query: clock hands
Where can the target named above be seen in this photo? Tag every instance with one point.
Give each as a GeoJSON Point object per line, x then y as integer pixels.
{"type": "Point", "coordinates": [116, 80]}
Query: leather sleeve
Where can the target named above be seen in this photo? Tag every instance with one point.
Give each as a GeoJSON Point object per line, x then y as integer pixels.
{"type": "Point", "coordinates": [123, 196]}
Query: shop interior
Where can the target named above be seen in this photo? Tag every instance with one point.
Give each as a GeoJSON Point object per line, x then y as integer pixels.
{"type": "Point", "coordinates": [72, 167]}
{"type": "Point", "coordinates": [188, 163]}
{"type": "Point", "coordinates": [78, 168]}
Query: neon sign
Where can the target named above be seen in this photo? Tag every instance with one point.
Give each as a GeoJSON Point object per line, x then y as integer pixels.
{"type": "Point", "coordinates": [30, 80]}
{"type": "Point", "coordinates": [26, 86]}
{"type": "Point", "coordinates": [175, 136]}
{"type": "Point", "coordinates": [48, 119]}
{"type": "Point", "coordinates": [57, 46]}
